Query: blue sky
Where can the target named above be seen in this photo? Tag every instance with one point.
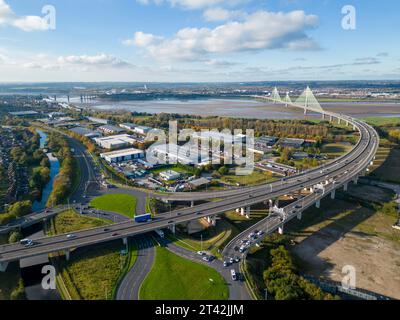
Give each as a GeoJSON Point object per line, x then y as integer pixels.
{"type": "Point", "coordinates": [198, 40]}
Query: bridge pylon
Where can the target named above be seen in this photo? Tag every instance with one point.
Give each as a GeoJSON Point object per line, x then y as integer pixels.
{"type": "Point", "coordinates": [275, 96]}
{"type": "Point", "coordinates": [307, 101]}
{"type": "Point", "coordinates": [287, 100]}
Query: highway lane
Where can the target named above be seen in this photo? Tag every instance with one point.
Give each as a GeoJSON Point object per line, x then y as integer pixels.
{"type": "Point", "coordinates": [130, 285]}
{"type": "Point", "coordinates": [183, 215]}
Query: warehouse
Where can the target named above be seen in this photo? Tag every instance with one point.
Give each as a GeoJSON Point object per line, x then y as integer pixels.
{"type": "Point", "coordinates": [109, 129]}
{"type": "Point", "coordinates": [115, 142]}
{"type": "Point", "coordinates": [82, 131]}
{"type": "Point", "coordinates": [122, 155]}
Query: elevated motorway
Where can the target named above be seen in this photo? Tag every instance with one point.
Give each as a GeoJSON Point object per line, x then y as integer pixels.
{"type": "Point", "coordinates": [337, 174]}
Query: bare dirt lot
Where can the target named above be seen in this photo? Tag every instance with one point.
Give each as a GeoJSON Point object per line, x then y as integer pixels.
{"type": "Point", "coordinates": [344, 234]}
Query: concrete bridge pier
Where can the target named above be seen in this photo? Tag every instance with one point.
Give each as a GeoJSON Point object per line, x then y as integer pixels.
{"type": "Point", "coordinates": [280, 230]}
{"type": "Point", "coordinates": [305, 111]}
{"type": "Point", "coordinates": [212, 220]}
{"type": "Point", "coordinates": [192, 204]}
{"type": "Point", "coordinates": [173, 228]}
{"type": "Point", "coordinates": [333, 194]}
{"type": "Point", "coordinates": [248, 212]}
{"type": "Point", "coordinates": [125, 241]}
{"type": "Point", "coordinates": [323, 116]}
{"type": "Point", "coordinates": [339, 121]}
{"type": "Point", "coordinates": [318, 204]}
{"type": "Point", "coordinates": [346, 186]}
{"type": "Point", "coordinates": [238, 210]}
{"type": "Point", "coordinates": [355, 180]}
{"type": "Point", "coordinates": [67, 254]}
{"type": "Point", "coordinates": [242, 211]}
{"type": "Point", "coordinates": [3, 266]}
{"type": "Point", "coordinates": [299, 216]}
{"type": "Point", "coordinates": [330, 118]}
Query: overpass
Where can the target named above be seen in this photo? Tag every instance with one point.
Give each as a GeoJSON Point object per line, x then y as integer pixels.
{"type": "Point", "coordinates": [334, 175]}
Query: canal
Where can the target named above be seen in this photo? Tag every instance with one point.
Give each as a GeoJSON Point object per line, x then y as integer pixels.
{"type": "Point", "coordinates": [54, 169]}
{"type": "Point", "coordinates": [31, 268]}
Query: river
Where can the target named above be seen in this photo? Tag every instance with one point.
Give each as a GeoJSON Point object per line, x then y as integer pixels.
{"type": "Point", "coordinates": [54, 169]}
{"type": "Point", "coordinates": [32, 275]}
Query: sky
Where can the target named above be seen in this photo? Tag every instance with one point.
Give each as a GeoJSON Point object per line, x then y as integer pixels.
{"type": "Point", "coordinates": [198, 40]}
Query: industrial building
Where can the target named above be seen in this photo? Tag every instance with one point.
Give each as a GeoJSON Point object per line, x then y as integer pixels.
{"type": "Point", "coordinates": [208, 136]}
{"type": "Point", "coordinates": [172, 153]}
{"type": "Point", "coordinates": [128, 126]}
{"type": "Point", "coordinates": [122, 155]}
{"type": "Point", "coordinates": [82, 131]}
{"type": "Point", "coordinates": [170, 175]}
{"type": "Point", "coordinates": [142, 130]}
{"type": "Point", "coordinates": [98, 120]}
{"type": "Point", "coordinates": [109, 129]}
{"type": "Point", "coordinates": [115, 142]}
{"type": "Point", "coordinates": [24, 114]}
{"type": "Point", "coordinates": [291, 143]}
{"type": "Point", "coordinates": [264, 144]}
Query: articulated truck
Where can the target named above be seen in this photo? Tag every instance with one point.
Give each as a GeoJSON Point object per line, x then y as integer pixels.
{"type": "Point", "coordinates": [143, 218]}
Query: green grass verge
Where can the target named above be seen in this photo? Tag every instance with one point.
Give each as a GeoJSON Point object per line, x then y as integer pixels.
{"type": "Point", "coordinates": [175, 278]}
{"type": "Point", "coordinates": [257, 177]}
{"type": "Point", "coordinates": [92, 273]}
{"type": "Point", "coordinates": [119, 203]}
{"type": "Point", "coordinates": [382, 121]}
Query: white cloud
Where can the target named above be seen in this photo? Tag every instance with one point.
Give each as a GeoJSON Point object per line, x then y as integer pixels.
{"type": "Point", "coordinates": [100, 60]}
{"type": "Point", "coordinates": [141, 39]}
{"type": "Point", "coordinates": [190, 4]}
{"type": "Point", "coordinates": [25, 23]}
{"type": "Point", "coordinates": [220, 63]}
{"type": "Point", "coordinates": [221, 14]}
{"type": "Point", "coordinates": [258, 31]}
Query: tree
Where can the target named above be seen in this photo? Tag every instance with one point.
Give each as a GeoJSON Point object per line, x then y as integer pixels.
{"type": "Point", "coordinates": [19, 292]}
{"type": "Point", "coordinates": [20, 208]}
{"type": "Point", "coordinates": [14, 237]}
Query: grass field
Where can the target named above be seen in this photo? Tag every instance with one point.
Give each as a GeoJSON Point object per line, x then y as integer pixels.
{"type": "Point", "coordinates": [380, 121]}
{"type": "Point", "coordinates": [119, 203]}
{"type": "Point", "coordinates": [213, 238]}
{"type": "Point", "coordinates": [69, 221]}
{"type": "Point", "coordinates": [257, 177]}
{"type": "Point", "coordinates": [387, 165]}
{"type": "Point", "coordinates": [92, 273]}
{"type": "Point", "coordinates": [334, 150]}
{"type": "Point", "coordinates": [9, 279]}
{"type": "Point", "coordinates": [175, 278]}
{"type": "Point", "coordinates": [179, 169]}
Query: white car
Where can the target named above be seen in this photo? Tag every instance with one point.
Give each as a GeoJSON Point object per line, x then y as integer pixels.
{"type": "Point", "coordinates": [71, 236]}
{"type": "Point", "coordinates": [201, 253]}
